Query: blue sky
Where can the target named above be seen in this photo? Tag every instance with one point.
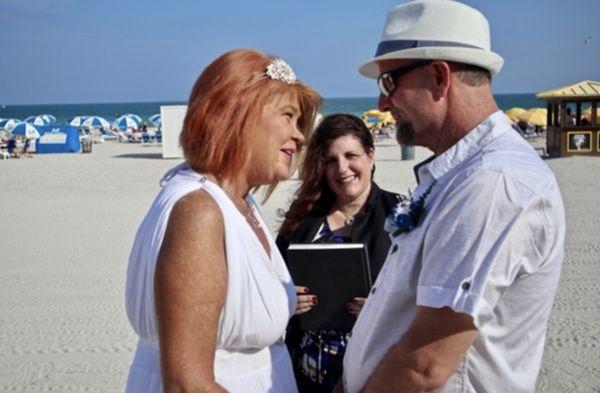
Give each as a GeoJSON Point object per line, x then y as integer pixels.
{"type": "Point", "coordinates": [76, 51]}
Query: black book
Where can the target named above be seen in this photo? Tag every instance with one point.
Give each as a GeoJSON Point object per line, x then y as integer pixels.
{"type": "Point", "coordinates": [336, 273]}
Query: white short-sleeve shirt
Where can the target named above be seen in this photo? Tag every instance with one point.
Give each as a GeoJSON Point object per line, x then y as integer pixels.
{"type": "Point", "coordinates": [490, 244]}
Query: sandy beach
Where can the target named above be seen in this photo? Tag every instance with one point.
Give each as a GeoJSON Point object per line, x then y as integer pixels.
{"type": "Point", "coordinates": [68, 220]}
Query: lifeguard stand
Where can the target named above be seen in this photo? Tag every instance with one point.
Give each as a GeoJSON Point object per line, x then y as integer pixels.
{"type": "Point", "coordinates": [573, 119]}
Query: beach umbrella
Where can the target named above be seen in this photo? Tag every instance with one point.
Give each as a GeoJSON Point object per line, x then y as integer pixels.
{"type": "Point", "coordinates": [96, 122]}
{"type": "Point", "coordinates": [48, 118]}
{"type": "Point", "coordinates": [134, 117]}
{"type": "Point", "coordinates": [388, 118]}
{"type": "Point", "coordinates": [37, 120]}
{"type": "Point", "coordinates": [27, 130]}
{"type": "Point", "coordinates": [76, 121]}
{"type": "Point", "coordinates": [373, 113]}
{"type": "Point", "coordinates": [536, 116]}
{"type": "Point", "coordinates": [124, 122]}
{"type": "Point", "coordinates": [154, 119]}
{"type": "Point", "coordinates": [510, 119]}
{"type": "Point", "coordinates": [9, 124]}
{"type": "Point", "coordinates": [514, 112]}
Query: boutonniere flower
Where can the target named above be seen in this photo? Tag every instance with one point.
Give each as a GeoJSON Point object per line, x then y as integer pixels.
{"type": "Point", "coordinates": [407, 214]}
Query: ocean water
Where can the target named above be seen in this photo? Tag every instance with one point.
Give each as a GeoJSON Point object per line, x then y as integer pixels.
{"type": "Point", "coordinates": [110, 112]}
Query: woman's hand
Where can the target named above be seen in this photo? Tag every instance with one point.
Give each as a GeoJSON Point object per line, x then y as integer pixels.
{"type": "Point", "coordinates": [306, 301]}
{"type": "Point", "coordinates": [355, 305]}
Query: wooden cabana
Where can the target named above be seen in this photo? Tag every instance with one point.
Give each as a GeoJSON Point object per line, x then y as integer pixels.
{"type": "Point", "coordinates": [573, 119]}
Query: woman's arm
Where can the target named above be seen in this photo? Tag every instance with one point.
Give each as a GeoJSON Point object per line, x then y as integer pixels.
{"type": "Point", "coordinates": [190, 286]}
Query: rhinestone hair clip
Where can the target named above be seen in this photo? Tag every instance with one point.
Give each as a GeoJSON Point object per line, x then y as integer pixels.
{"type": "Point", "coordinates": [280, 70]}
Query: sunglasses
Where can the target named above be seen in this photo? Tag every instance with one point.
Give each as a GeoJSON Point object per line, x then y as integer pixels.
{"type": "Point", "coordinates": [385, 82]}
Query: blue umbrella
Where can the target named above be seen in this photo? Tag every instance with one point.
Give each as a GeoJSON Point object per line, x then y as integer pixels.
{"type": "Point", "coordinates": [134, 117]}
{"type": "Point", "coordinates": [9, 124]}
{"type": "Point", "coordinates": [27, 130]}
{"type": "Point", "coordinates": [76, 121]}
{"type": "Point", "coordinates": [154, 119]}
{"type": "Point", "coordinates": [37, 120]}
{"type": "Point", "coordinates": [49, 118]}
{"type": "Point", "coordinates": [124, 122]}
{"type": "Point", "coordinates": [96, 122]}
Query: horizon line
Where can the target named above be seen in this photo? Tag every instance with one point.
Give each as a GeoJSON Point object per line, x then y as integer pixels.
{"type": "Point", "coordinates": [3, 106]}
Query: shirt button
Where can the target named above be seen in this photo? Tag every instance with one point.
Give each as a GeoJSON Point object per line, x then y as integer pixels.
{"type": "Point", "coordinates": [466, 285]}
{"type": "Point", "coordinates": [373, 290]}
{"type": "Point", "coordinates": [394, 248]}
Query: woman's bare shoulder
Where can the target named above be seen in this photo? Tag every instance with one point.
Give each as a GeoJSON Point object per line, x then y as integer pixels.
{"type": "Point", "coordinates": [197, 208]}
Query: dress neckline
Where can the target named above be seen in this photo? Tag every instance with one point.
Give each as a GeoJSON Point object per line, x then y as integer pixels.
{"type": "Point", "coordinates": [243, 219]}
{"type": "Point", "coordinates": [185, 170]}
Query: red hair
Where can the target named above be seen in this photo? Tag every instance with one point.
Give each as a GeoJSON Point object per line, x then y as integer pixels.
{"type": "Point", "coordinates": [227, 101]}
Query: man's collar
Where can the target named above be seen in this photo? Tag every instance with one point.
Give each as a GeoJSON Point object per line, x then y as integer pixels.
{"type": "Point", "coordinates": [436, 166]}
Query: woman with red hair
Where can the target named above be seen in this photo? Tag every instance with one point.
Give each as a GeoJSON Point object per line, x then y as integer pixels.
{"type": "Point", "coordinates": [207, 291]}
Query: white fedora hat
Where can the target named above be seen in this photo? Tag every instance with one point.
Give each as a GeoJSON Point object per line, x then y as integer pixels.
{"type": "Point", "coordinates": [436, 30]}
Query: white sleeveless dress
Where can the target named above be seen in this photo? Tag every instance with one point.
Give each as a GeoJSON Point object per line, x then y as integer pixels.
{"type": "Point", "coordinates": [251, 355]}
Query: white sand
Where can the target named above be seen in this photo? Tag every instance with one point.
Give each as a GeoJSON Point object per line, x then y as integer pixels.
{"type": "Point", "coordinates": [67, 222]}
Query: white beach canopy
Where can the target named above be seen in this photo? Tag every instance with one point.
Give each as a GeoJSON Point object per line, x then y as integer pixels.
{"type": "Point", "coordinates": [96, 122]}
{"type": "Point", "coordinates": [27, 130]}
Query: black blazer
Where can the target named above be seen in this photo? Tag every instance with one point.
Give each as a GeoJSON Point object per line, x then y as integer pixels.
{"type": "Point", "coordinates": [367, 228]}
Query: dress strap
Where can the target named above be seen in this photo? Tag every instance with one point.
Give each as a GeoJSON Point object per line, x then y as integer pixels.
{"type": "Point", "coordinates": [184, 170]}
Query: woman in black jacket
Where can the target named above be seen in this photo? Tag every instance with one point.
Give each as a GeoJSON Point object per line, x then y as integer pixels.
{"type": "Point", "coordinates": [338, 202]}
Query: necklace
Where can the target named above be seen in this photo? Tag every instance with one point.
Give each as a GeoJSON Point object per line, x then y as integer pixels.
{"type": "Point", "coordinates": [348, 219]}
{"type": "Point", "coordinates": [246, 212]}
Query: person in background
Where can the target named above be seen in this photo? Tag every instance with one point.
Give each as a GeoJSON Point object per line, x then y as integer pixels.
{"type": "Point", "coordinates": [12, 147]}
{"type": "Point", "coordinates": [571, 118]}
{"type": "Point", "coordinates": [465, 305]}
{"type": "Point", "coordinates": [337, 202]}
{"type": "Point", "coordinates": [207, 291]}
{"type": "Point", "coordinates": [28, 147]}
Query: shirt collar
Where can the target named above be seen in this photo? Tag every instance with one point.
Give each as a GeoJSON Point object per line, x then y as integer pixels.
{"type": "Point", "coordinates": [436, 166]}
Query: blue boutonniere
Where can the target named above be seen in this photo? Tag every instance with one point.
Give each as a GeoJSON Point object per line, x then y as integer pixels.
{"type": "Point", "coordinates": [407, 214]}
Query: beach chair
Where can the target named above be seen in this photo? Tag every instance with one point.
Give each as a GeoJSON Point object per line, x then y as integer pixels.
{"type": "Point", "coordinates": [122, 137]}
{"type": "Point", "coordinates": [109, 135]}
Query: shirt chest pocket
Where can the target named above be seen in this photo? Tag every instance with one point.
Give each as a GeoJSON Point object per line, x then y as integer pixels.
{"type": "Point", "coordinates": [402, 265]}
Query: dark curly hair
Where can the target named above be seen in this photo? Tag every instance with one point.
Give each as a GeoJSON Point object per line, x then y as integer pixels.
{"type": "Point", "coordinates": [314, 195]}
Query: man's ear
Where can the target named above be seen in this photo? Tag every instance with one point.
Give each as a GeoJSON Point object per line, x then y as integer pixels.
{"type": "Point", "coordinates": [442, 79]}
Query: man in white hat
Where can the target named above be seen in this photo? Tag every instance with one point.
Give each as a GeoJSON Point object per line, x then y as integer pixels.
{"type": "Point", "coordinates": [463, 300]}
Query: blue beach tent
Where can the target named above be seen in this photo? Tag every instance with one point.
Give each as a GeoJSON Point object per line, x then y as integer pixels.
{"type": "Point", "coordinates": [57, 139]}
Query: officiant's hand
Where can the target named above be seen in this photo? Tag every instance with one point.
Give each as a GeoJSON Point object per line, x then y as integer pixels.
{"type": "Point", "coordinates": [306, 301]}
{"type": "Point", "coordinates": [355, 305]}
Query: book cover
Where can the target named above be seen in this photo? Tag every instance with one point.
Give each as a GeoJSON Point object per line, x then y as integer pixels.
{"type": "Point", "coordinates": [336, 273]}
